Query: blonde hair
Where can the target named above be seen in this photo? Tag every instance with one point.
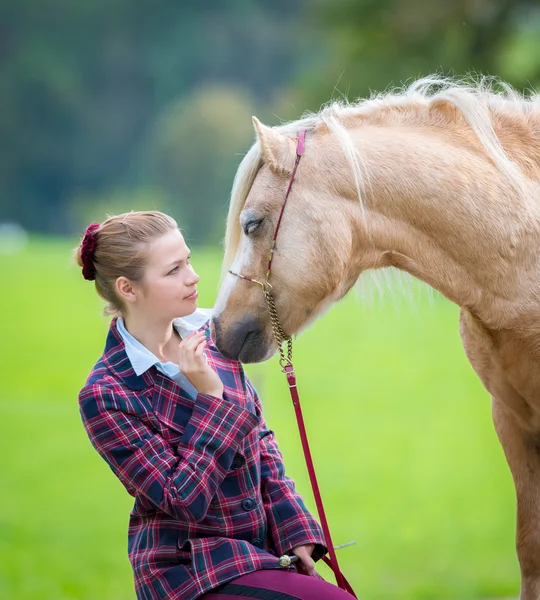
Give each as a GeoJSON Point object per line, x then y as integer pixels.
{"type": "Point", "coordinates": [121, 251]}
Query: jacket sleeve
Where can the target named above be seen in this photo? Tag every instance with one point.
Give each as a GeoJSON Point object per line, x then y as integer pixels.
{"type": "Point", "coordinates": [179, 481]}
{"type": "Point", "coordinates": [290, 522]}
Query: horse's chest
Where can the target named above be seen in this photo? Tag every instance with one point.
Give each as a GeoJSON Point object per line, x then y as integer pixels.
{"type": "Point", "coordinates": [507, 367]}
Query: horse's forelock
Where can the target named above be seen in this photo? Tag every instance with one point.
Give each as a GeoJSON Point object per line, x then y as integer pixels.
{"type": "Point", "coordinates": [243, 180]}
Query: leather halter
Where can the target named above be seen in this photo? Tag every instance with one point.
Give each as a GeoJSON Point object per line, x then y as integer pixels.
{"type": "Point", "coordinates": [267, 287]}
{"type": "Point", "coordinates": [288, 369]}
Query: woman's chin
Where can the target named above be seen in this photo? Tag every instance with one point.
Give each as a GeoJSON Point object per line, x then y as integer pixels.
{"type": "Point", "coordinates": [188, 307]}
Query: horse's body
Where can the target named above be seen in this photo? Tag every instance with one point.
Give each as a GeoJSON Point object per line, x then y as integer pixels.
{"type": "Point", "coordinates": [444, 185]}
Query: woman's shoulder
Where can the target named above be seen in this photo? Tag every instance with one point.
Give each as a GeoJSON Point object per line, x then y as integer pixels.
{"type": "Point", "coordinates": [100, 379]}
{"type": "Point", "coordinates": [104, 392]}
{"type": "Point", "coordinates": [110, 373]}
{"type": "Point", "coordinates": [113, 369]}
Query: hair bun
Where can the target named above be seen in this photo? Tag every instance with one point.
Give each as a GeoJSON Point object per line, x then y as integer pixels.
{"type": "Point", "coordinates": [88, 247]}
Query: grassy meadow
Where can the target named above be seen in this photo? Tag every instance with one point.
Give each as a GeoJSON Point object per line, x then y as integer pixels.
{"type": "Point", "coordinates": [407, 457]}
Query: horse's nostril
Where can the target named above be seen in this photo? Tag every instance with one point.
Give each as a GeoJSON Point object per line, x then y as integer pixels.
{"type": "Point", "coordinates": [251, 337]}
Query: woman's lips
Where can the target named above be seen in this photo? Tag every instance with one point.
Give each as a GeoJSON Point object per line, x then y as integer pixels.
{"type": "Point", "coordinates": [193, 296]}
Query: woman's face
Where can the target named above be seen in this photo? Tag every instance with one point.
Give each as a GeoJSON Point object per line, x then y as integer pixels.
{"type": "Point", "coordinates": [169, 286]}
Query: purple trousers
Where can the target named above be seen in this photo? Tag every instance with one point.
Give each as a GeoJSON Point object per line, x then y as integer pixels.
{"type": "Point", "coordinates": [277, 585]}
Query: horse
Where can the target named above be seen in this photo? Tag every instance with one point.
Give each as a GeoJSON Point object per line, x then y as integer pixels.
{"type": "Point", "coordinates": [440, 179]}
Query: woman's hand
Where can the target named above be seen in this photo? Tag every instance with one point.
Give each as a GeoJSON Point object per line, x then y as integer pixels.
{"type": "Point", "coordinates": [193, 365]}
{"type": "Point", "coordinates": [305, 565]}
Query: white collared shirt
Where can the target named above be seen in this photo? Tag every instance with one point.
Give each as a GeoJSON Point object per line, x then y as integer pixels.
{"type": "Point", "coordinates": [142, 359]}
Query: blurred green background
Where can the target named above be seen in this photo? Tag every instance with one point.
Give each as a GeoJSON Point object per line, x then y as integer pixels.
{"type": "Point", "coordinates": [109, 106]}
{"type": "Point", "coordinates": [400, 427]}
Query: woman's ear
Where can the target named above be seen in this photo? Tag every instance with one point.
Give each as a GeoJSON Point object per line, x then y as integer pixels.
{"type": "Point", "coordinates": [125, 290]}
{"type": "Point", "coordinates": [278, 150]}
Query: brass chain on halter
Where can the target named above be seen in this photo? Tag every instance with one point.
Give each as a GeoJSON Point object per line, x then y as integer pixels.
{"type": "Point", "coordinates": [279, 334]}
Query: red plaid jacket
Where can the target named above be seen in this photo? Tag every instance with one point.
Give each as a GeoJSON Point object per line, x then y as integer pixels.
{"type": "Point", "coordinates": [212, 501]}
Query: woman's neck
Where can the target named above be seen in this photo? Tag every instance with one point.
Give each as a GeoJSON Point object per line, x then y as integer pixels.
{"type": "Point", "coordinates": [158, 336]}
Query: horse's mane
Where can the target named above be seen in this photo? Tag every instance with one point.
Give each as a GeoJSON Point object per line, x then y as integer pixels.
{"type": "Point", "coordinates": [476, 99]}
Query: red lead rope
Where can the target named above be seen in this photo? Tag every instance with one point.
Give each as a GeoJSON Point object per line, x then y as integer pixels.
{"type": "Point", "coordinates": [333, 562]}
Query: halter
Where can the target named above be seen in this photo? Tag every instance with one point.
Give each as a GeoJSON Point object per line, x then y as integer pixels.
{"type": "Point", "coordinates": [279, 334]}
{"type": "Point", "coordinates": [287, 367]}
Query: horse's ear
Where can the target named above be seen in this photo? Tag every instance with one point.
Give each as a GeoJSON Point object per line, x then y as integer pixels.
{"type": "Point", "coordinates": [278, 150]}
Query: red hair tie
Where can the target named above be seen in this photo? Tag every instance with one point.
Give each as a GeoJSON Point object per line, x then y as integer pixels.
{"type": "Point", "coordinates": [88, 248]}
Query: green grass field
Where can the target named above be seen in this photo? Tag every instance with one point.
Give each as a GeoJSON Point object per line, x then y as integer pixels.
{"type": "Point", "coordinates": [408, 461]}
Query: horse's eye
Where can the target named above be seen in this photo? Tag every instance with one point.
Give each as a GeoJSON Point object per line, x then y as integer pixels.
{"type": "Point", "coordinates": [252, 225]}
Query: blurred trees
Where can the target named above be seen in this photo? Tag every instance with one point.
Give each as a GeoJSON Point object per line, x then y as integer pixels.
{"type": "Point", "coordinates": [374, 44]}
{"type": "Point", "coordinates": [194, 149]}
{"type": "Point", "coordinates": [107, 106]}
{"type": "Point", "coordinates": [84, 83]}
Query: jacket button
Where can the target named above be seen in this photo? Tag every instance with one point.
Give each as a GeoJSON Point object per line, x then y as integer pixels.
{"type": "Point", "coordinates": [248, 504]}
{"type": "Point", "coordinates": [257, 542]}
{"type": "Point", "coordinates": [237, 462]}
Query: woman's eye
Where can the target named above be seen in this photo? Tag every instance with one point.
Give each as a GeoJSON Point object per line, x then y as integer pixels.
{"type": "Point", "coordinates": [173, 271]}
{"type": "Point", "coordinates": [252, 226]}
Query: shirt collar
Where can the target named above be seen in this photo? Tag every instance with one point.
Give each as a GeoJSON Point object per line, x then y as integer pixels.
{"type": "Point", "coordinates": [140, 357]}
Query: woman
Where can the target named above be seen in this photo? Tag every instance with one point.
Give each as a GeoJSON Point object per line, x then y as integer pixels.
{"type": "Point", "coordinates": [182, 428]}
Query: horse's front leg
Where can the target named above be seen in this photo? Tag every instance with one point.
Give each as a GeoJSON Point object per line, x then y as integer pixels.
{"type": "Point", "coordinates": [522, 450]}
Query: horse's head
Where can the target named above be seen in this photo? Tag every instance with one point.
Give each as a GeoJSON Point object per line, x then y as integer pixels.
{"type": "Point", "coordinates": [433, 180]}
{"type": "Point", "coordinates": [311, 266]}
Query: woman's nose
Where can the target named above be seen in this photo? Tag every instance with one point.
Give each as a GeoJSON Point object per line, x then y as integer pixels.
{"type": "Point", "coordinates": [193, 279]}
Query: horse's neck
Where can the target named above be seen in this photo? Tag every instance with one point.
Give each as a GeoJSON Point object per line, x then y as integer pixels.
{"type": "Point", "coordinates": [438, 208]}
{"type": "Point", "coordinates": [441, 211]}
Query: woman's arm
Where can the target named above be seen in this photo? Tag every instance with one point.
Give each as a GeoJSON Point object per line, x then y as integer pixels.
{"type": "Point", "coordinates": [291, 524]}
{"type": "Point", "coordinates": [180, 481]}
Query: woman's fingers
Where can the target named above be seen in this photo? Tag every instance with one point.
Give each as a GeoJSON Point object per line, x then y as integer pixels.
{"type": "Point", "coordinates": [191, 354]}
{"type": "Point", "coordinates": [192, 339]}
{"type": "Point", "coordinates": [200, 349]}
{"type": "Point", "coordinates": [195, 355]}
{"type": "Point", "coordinates": [194, 364]}
{"type": "Point", "coordinates": [306, 565]}
{"type": "Point", "coordinates": [189, 343]}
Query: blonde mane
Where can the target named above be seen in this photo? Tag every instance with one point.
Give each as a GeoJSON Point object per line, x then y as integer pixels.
{"type": "Point", "coordinates": [475, 99]}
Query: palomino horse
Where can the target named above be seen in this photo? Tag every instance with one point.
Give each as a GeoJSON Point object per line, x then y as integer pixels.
{"type": "Point", "coordinates": [441, 180]}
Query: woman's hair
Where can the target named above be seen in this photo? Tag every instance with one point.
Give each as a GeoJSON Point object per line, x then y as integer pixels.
{"type": "Point", "coordinates": [118, 248]}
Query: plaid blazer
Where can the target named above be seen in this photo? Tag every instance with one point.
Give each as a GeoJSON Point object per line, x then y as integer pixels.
{"type": "Point", "coordinates": [212, 501]}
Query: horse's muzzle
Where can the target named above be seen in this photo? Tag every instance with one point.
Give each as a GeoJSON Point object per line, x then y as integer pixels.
{"type": "Point", "coordinates": [248, 341]}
